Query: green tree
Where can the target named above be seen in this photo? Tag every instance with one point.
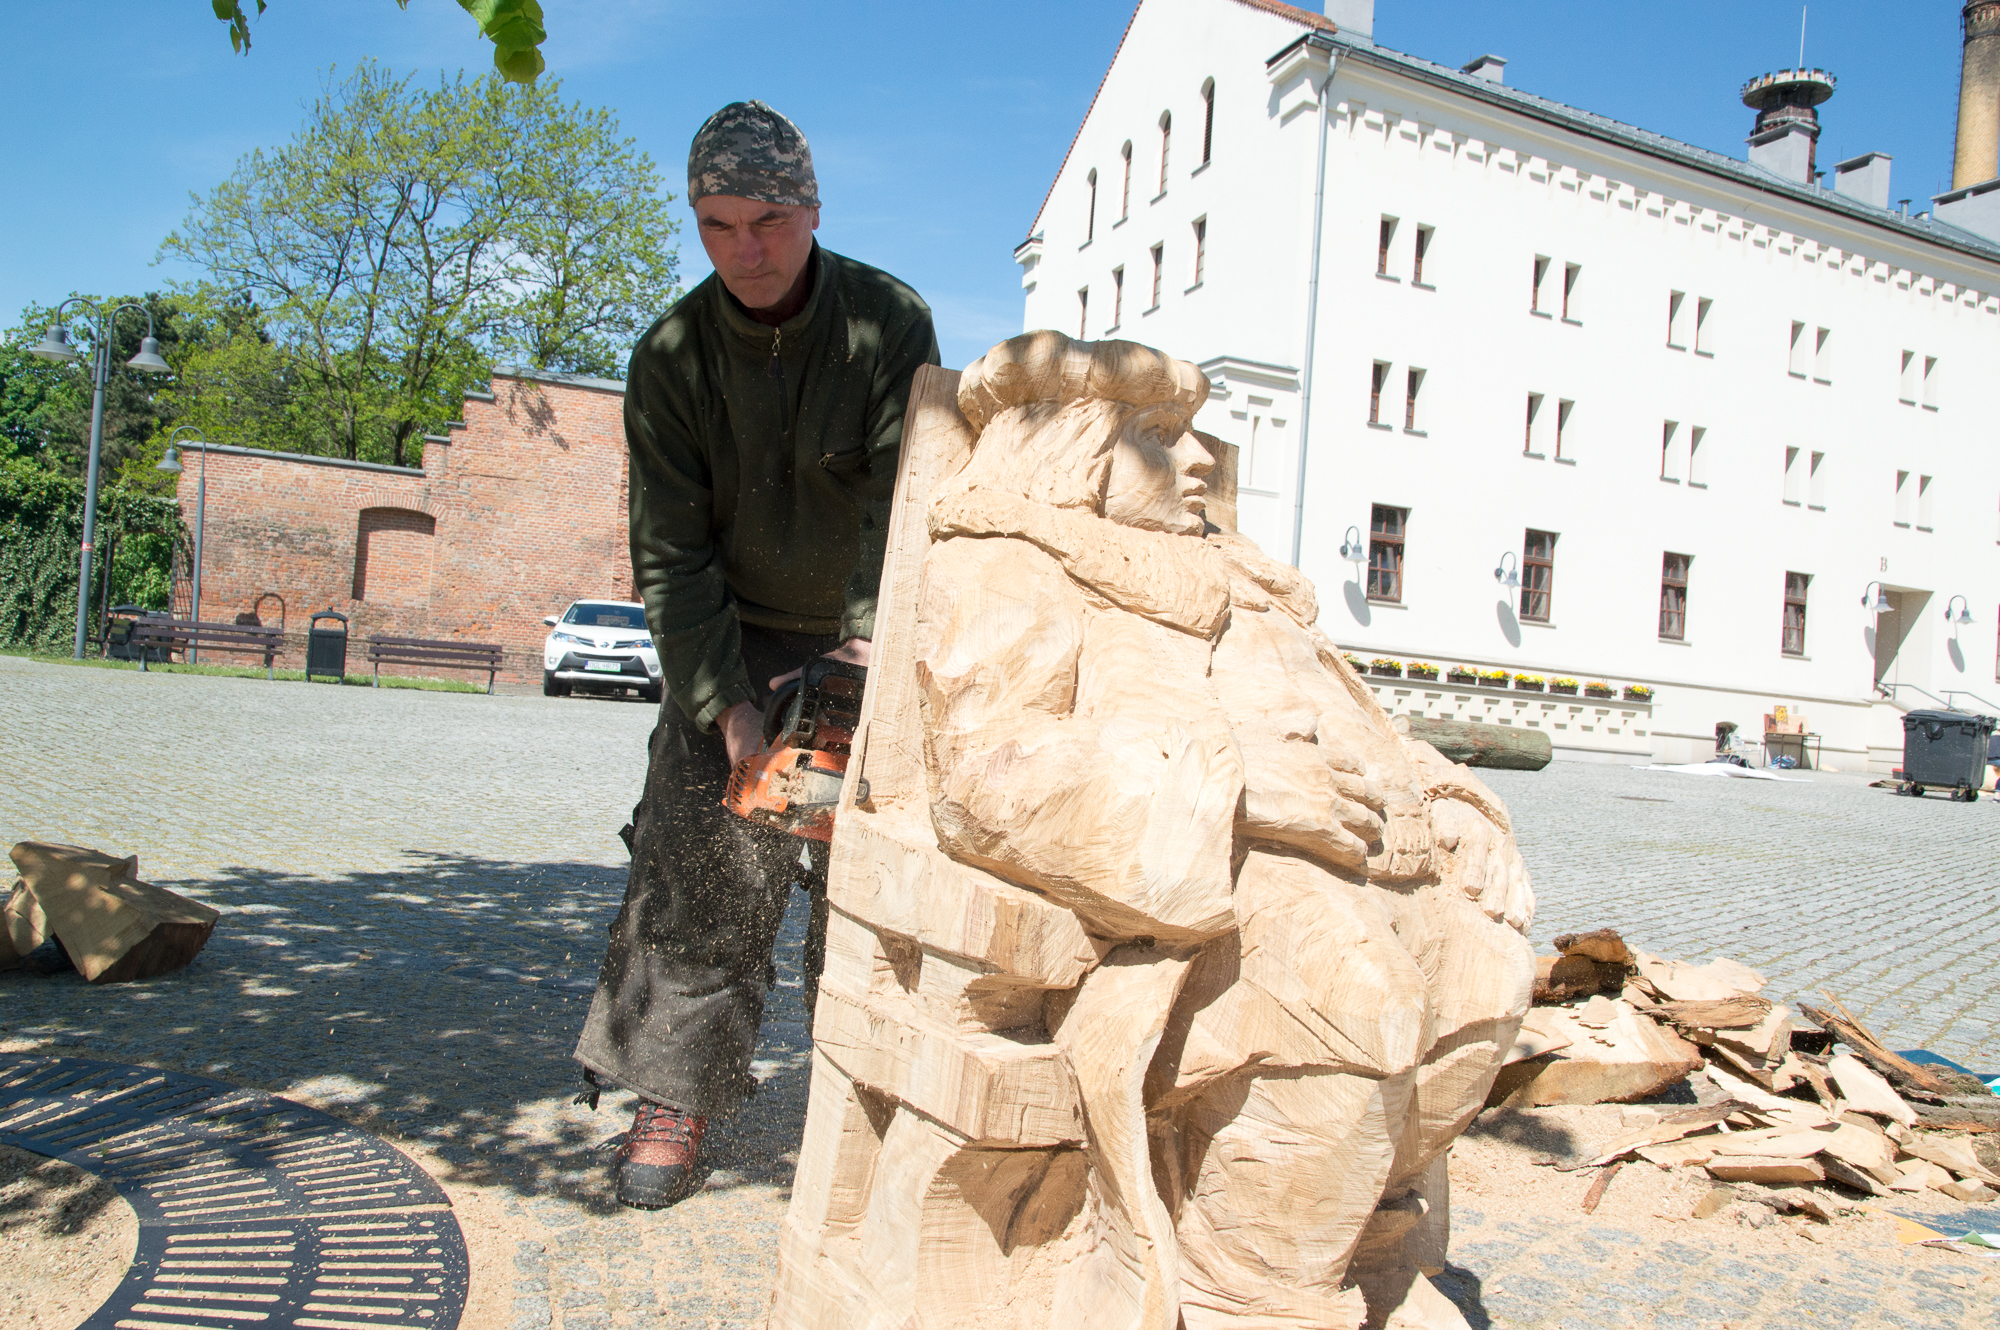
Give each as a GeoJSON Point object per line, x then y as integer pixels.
{"type": "Point", "coordinates": [402, 240]}
{"type": "Point", "coordinates": [513, 26]}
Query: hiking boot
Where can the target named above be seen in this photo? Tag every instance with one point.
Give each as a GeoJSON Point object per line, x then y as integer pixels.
{"type": "Point", "coordinates": [655, 1167]}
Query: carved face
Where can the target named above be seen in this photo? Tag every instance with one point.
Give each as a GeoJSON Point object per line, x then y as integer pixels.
{"type": "Point", "coordinates": [1157, 466]}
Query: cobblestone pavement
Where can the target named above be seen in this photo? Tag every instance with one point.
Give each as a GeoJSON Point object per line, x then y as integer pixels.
{"type": "Point", "coordinates": [416, 887]}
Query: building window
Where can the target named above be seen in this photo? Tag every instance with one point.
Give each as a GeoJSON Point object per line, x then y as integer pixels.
{"type": "Point", "coordinates": [1377, 377]}
{"type": "Point", "coordinates": [1200, 248]}
{"type": "Point", "coordinates": [1534, 416]}
{"type": "Point", "coordinates": [1796, 364]}
{"type": "Point", "coordinates": [1701, 338]}
{"type": "Point", "coordinates": [1571, 272]}
{"type": "Point", "coordinates": [1166, 142]}
{"type": "Point", "coordinates": [1670, 459]}
{"type": "Point", "coordinates": [1674, 597]}
{"type": "Point", "coordinates": [1541, 275]}
{"type": "Point", "coordinates": [1207, 120]}
{"type": "Point", "coordinates": [1538, 575]}
{"type": "Point", "coordinates": [1083, 312]}
{"type": "Point", "coordinates": [1090, 219]}
{"type": "Point", "coordinates": [1906, 391]}
{"type": "Point", "coordinates": [1565, 452]}
{"type": "Point", "coordinates": [1117, 296]}
{"type": "Point", "coordinates": [1386, 527]}
{"type": "Point", "coordinates": [1902, 517]}
{"type": "Point", "coordinates": [1795, 613]}
{"type": "Point", "coordinates": [1412, 394]}
{"type": "Point", "coordinates": [1676, 301]}
{"type": "Point", "coordinates": [1385, 236]}
{"type": "Point", "coordinates": [1794, 477]}
{"type": "Point", "coordinates": [1424, 234]}
{"type": "Point", "coordinates": [1125, 190]}
{"type": "Point", "coordinates": [1923, 503]}
{"type": "Point", "coordinates": [1931, 382]}
{"type": "Point", "coordinates": [1159, 262]}
{"type": "Point", "coordinates": [1697, 458]}
{"type": "Point", "coordinates": [1823, 356]}
{"type": "Point", "coordinates": [1816, 483]}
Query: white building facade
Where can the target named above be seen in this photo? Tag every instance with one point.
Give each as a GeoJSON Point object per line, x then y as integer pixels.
{"type": "Point", "coordinates": [1696, 407]}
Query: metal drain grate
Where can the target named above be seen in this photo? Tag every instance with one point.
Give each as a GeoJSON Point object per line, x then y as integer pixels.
{"type": "Point", "coordinates": [254, 1212]}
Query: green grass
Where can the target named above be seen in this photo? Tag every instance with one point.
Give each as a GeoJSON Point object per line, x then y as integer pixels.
{"type": "Point", "coordinates": [249, 672]}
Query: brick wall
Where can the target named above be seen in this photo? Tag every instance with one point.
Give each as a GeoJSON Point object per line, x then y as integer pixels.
{"type": "Point", "coordinates": [520, 510]}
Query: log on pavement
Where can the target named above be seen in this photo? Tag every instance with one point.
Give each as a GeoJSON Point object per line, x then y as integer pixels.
{"type": "Point", "coordinates": [114, 927]}
{"type": "Point", "coordinates": [1477, 745]}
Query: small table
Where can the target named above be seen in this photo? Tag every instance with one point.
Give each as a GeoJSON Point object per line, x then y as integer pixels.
{"type": "Point", "coordinates": [1793, 746]}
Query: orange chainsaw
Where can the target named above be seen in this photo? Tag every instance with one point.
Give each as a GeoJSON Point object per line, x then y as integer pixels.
{"type": "Point", "coordinates": [793, 784]}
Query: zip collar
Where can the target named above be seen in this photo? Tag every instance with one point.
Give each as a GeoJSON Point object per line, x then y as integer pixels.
{"type": "Point", "coordinates": [760, 340]}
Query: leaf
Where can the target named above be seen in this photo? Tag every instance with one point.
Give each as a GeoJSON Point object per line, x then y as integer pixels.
{"type": "Point", "coordinates": [516, 31]}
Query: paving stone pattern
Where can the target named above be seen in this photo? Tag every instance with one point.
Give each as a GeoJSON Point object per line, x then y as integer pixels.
{"type": "Point", "coordinates": [417, 886]}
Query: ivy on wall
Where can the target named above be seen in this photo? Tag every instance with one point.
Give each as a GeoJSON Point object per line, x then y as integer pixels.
{"type": "Point", "coordinates": [41, 530]}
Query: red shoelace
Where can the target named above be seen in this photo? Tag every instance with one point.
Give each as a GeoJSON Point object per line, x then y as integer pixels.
{"type": "Point", "coordinates": [656, 1124]}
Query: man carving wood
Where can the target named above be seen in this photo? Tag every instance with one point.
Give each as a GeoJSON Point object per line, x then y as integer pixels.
{"type": "Point", "coordinates": [1297, 958]}
{"type": "Point", "coordinates": [763, 415]}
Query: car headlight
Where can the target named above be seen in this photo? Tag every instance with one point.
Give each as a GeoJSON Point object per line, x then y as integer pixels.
{"type": "Point", "coordinates": [565, 637]}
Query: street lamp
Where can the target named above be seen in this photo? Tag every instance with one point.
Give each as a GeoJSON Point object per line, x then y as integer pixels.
{"type": "Point", "coordinates": [55, 346]}
{"type": "Point", "coordinates": [1964, 618]}
{"type": "Point", "coordinates": [172, 465]}
{"type": "Point", "coordinates": [1352, 549]}
{"type": "Point", "coordinates": [1507, 577]}
{"type": "Point", "coordinates": [1880, 604]}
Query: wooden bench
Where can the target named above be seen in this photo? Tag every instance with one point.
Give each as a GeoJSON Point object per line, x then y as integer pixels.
{"type": "Point", "coordinates": [428, 651]}
{"type": "Point", "coordinates": [183, 635]}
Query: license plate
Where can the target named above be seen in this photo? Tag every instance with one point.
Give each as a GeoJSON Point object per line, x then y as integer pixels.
{"type": "Point", "coordinates": [608, 666]}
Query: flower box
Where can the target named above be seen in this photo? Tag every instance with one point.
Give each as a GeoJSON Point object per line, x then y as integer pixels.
{"type": "Point", "coordinates": [1360, 665]}
{"type": "Point", "coordinates": [1424, 672]}
{"type": "Point", "coordinates": [1461, 676]}
{"type": "Point", "coordinates": [1638, 692]}
{"type": "Point", "coordinates": [1387, 671]}
{"type": "Point", "coordinates": [1493, 678]}
{"type": "Point", "coordinates": [1529, 685]}
{"type": "Point", "coordinates": [1565, 686]}
{"type": "Point", "coordinates": [1603, 690]}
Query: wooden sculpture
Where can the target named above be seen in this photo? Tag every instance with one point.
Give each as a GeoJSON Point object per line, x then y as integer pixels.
{"type": "Point", "coordinates": [1161, 970]}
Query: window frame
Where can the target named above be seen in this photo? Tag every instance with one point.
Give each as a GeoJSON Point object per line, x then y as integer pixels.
{"type": "Point", "coordinates": [1384, 239]}
{"type": "Point", "coordinates": [1200, 250]}
{"type": "Point", "coordinates": [1166, 149]}
{"type": "Point", "coordinates": [1538, 576]}
{"type": "Point", "coordinates": [1792, 641]}
{"type": "Point", "coordinates": [1572, 273]}
{"type": "Point", "coordinates": [1378, 379]}
{"type": "Point", "coordinates": [1118, 295]}
{"type": "Point", "coordinates": [1207, 122]}
{"type": "Point", "coordinates": [1090, 219]}
{"type": "Point", "coordinates": [1413, 392]}
{"type": "Point", "coordinates": [1082, 313]}
{"type": "Point", "coordinates": [1419, 249]}
{"type": "Point", "coordinates": [1387, 553]}
{"type": "Point", "coordinates": [1540, 274]}
{"type": "Point", "coordinates": [1159, 253]}
{"type": "Point", "coordinates": [1125, 194]}
{"type": "Point", "coordinates": [1674, 595]}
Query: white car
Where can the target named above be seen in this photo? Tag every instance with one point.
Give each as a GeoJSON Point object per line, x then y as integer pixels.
{"type": "Point", "coordinates": [599, 645]}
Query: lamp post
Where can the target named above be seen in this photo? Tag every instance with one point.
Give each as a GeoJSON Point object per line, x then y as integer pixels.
{"type": "Point", "coordinates": [172, 464]}
{"type": "Point", "coordinates": [55, 346]}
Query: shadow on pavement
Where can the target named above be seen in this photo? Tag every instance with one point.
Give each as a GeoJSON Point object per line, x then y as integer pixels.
{"type": "Point", "coordinates": [436, 1005]}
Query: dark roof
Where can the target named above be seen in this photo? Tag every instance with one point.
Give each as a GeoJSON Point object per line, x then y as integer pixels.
{"type": "Point", "coordinates": [1740, 173]}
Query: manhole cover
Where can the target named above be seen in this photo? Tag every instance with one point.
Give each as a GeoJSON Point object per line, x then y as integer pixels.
{"type": "Point", "coordinates": [253, 1211]}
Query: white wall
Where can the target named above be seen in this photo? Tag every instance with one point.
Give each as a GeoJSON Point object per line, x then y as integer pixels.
{"type": "Point", "coordinates": [1500, 189]}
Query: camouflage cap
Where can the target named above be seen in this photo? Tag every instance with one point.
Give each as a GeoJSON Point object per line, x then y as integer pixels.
{"type": "Point", "coordinates": [750, 151]}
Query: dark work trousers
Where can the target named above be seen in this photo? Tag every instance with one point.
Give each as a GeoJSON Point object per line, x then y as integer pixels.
{"type": "Point", "coordinates": [681, 994]}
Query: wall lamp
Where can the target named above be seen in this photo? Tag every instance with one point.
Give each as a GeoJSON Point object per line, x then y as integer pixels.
{"type": "Point", "coordinates": [1964, 617]}
{"type": "Point", "coordinates": [1352, 548]}
{"type": "Point", "coordinates": [1880, 605]}
{"type": "Point", "coordinates": [1509, 577]}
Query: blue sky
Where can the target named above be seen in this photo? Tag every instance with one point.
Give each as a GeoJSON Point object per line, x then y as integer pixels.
{"type": "Point", "coordinates": [935, 127]}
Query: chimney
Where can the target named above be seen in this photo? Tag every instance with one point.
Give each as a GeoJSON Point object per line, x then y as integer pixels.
{"type": "Point", "coordinates": [1976, 158]}
{"type": "Point", "coordinates": [1353, 19]}
{"type": "Point", "coordinates": [1493, 68]}
{"type": "Point", "coordinates": [1865, 179]}
{"type": "Point", "coordinates": [1786, 135]}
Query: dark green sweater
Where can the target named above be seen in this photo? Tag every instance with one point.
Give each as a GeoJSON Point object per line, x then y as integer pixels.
{"type": "Point", "coordinates": [760, 492]}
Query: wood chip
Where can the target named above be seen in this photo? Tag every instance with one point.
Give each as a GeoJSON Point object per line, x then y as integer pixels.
{"type": "Point", "coordinates": [1952, 1152]}
{"type": "Point", "coordinates": [1741, 1012]}
{"type": "Point", "coordinates": [1849, 1176]}
{"type": "Point", "coordinates": [1756, 1168]}
{"type": "Point", "coordinates": [1598, 1013]}
{"type": "Point", "coordinates": [1712, 1203]}
{"type": "Point", "coordinates": [1597, 1188]}
{"type": "Point", "coordinates": [1918, 1174]}
{"type": "Point", "coordinates": [1866, 1092]}
{"type": "Point", "coordinates": [1970, 1192]}
{"type": "Point", "coordinates": [1602, 944]}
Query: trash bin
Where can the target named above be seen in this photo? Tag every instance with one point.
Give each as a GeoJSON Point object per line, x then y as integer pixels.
{"type": "Point", "coordinates": [1947, 749]}
{"type": "Point", "coordinates": [326, 648]}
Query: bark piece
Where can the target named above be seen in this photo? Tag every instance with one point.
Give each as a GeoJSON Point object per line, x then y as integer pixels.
{"type": "Point", "coordinates": [114, 927]}
{"type": "Point", "coordinates": [1561, 978]}
{"type": "Point", "coordinates": [1900, 1071]}
{"type": "Point", "coordinates": [1756, 1168]}
{"type": "Point", "coordinates": [1600, 944]}
{"type": "Point", "coordinates": [1742, 1012]}
{"type": "Point", "coordinates": [1506, 747]}
{"type": "Point", "coordinates": [1632, 1058]}
{"type": "Point", "coordinates": [1598, 1188]}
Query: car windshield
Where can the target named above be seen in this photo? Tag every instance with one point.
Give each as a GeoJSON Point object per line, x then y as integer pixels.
{"type": "Point", "coordinates": [606, 616]}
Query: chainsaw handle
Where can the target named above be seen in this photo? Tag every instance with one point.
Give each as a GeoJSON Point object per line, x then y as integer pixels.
{"type": "Point", "coordinates": [774, 709]}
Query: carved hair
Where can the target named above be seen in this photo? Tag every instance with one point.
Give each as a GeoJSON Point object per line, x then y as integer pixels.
{"type": "Point", "coordinates": [1049, 411]}
{"type": "Point", "coordinates": [1046, 366]}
